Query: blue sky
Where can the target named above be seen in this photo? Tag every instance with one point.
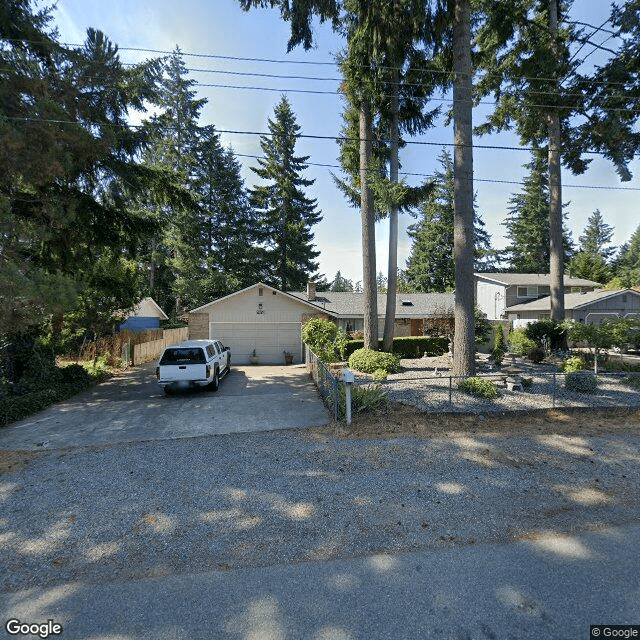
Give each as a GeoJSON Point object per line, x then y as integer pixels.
{"type": "Point", "coordinates": [220, 28]}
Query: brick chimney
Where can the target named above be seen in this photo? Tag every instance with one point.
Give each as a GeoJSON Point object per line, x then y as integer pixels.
{"type": "Point", "coordinates": [311, 291]}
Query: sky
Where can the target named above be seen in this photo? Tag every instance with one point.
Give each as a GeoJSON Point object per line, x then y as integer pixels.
{"type": "Point", "coordinates": [234, 47]}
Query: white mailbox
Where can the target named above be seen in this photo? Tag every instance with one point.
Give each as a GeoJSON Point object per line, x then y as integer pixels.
{"type": "Point", "coordinates": [347, 376]}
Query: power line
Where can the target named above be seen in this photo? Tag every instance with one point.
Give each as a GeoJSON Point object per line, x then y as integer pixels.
{"type": "Point", "coordinates": [427, 175]}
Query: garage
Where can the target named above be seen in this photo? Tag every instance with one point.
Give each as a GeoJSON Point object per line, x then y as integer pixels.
{"type": "Point", "coordinates": [269, 339]}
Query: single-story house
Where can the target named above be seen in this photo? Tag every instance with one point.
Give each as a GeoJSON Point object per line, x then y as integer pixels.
{"type": "Point", "coordinates": [590, 307]}
{"type": "Point", "coordinates": [269, 321]}
{"type": "Point", "coordinates": [145, 315]}
{"type": "Point", "coordinates": [496, 293]}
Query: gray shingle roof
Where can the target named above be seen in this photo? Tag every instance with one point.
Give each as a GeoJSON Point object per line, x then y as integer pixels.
{"type": "Point", "coordinates": [351, 305]}
{"type": "Point", "coordinates": [523, 279]}
{"type": "Point", "coordinates": [571, 300]}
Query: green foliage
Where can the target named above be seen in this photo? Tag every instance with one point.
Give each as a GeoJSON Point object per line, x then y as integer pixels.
{"type": "Point", "coordinates": [479, 387]}
{"type": "Point", "coordinates": [408, 346]}
{"type": "Point", "coordinates": [379, 375]}
{"type": "Point", "coordinates": [325, 340]}
{"type": "Point", "coordinates": [430, 265]}
{"type": "Point", "coordinates": [499, 345]}
{"type": "Point", "coordinates": [519, 343]}
{"type": "Point", "coordinates": [482, 326]}
{"type": "Point", "coordinates": [581, 381]}
{"type": "Point", "coordinates": [571, 365]}
{"type": "Point", "coordinates": [554, 332]}
{"type": "Point", "coordinates": [285, 214]}
{"type": "Point", "coordinates": [368, 361]}
{"type": "Point", "coordinates": [364, 398]}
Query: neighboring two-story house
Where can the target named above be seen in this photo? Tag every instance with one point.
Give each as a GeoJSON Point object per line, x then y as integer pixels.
{"type": "Point", "coordinates": [496, 292]}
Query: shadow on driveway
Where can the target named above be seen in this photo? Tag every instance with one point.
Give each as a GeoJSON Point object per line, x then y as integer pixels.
{"type": "Point", "coordinates": [132, 407]}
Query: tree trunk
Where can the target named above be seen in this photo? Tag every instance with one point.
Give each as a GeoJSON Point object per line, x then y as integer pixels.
{"type": "Point", "coordinates": [463, 237]}
{"type": "Point", "coordinates": [556, 249]}
{"type": "Point", "coordinates": [392, 270]}
{"type": "Point", "coordinates": [367, 218]}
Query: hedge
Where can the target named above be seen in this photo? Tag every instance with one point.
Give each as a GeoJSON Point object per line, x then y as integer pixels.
{"type": "Point", "coordinates": [408, 346]}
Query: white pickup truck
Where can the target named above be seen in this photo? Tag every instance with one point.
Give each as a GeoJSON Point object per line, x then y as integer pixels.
{"type": "Point", "coordinates": [193, 363]}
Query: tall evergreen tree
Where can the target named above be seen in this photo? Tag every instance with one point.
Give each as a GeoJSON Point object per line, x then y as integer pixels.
{"type": "Point", "coordinates": [227, 223]}
{"type": "Point", "coordinates": [286, 215]}
{"type": "Point", "coordinates": [592, 260]}
{"type": "Point", "coordinates": [528, 222]}
{"type": "Point", "coordinates": [67, 166]}
{"type": "Point", "coordinates": [430, 266]}
{"type": "Point", "coordinates": [627, 263]}
{"type": "Point", "coordinates": [175, 261]}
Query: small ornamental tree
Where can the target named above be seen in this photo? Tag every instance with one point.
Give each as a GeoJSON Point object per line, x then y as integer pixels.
{"type": "Point", "coordinates": [325, 339]}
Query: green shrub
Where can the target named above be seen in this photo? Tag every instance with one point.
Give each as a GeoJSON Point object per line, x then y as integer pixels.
{"type": "Point", "coordinates": [479, 387]}
{"type": "Point", "coordinates": [368, 361]}
{"type": "Point", "coordinates": [324, 339]}
{"type": "Point", "coordinates": [364, 398]}
{"type": "Point", "coordinates": [16, 407]}
{"type": "Point", "coordinates": [407, 346]}
{"type": "Point", "coordinates": [581, 381]}
{"type": "Point", "coordinates": [570, 365]}
{"type": "Point", "coordinates": [536, 354]}
{"type": "Point", "coordinates": [519, 343]}
{"type": "Point", "coordinates": [498, 346]}
{"type": "Point", "coordinates": [379, 375]}
{"type": "Point", "coordinates": [554, 332]}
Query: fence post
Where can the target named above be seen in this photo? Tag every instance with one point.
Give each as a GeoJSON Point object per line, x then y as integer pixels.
{"type": "Point", "coordinates": [348, 379]}
{"type": "Point", "coordinates": [554, 391]}
{"type": "Point", "coordinates": [450, 389]}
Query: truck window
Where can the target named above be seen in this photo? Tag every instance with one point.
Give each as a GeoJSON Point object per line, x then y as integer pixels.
{"type": "Point", "coordinates": [210, 352]}
{"type": "Point", "coordinates": [184, 355]}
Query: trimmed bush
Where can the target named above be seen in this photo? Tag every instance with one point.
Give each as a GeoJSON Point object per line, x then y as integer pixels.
{"type": "Point", "coordinates": [498, 346]}
{"type": "Point", "coordinates": [581, 381]}
{"type": "Point", "coordinates": [325, 339]}
{"type": "Point", "coordinates": [408, 346]}
{"type": "Point", "coordinates": [368, 361]}
{"type": "Point", "coordinates": [479, 387]}
{"type": "Point", "coordinates": [379, 375]}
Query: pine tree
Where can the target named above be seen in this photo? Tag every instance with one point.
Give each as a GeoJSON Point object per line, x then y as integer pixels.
{"type": "Point", "coordinates": [592, 260]}
{"type": "Point", "coordinates": [430, 266]}
{"type": "Point", "coordinates": [285, 214]}
{"type": "Point", "coordinates": [341, 284]}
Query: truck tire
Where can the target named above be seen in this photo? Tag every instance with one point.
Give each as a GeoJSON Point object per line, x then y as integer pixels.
{"type": "Point", "coordinates": [215, 383]}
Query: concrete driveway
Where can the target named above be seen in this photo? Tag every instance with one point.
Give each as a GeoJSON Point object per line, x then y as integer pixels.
{"type": "Point", "coordinates": [132, 407]}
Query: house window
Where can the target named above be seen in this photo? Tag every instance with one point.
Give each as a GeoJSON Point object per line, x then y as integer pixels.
{"type": "Point", "coordinates": [544, 290]}
{"type": "Point", "coordinates": [260, 291]}
{"type": "Point", "coordinates": [624, 297]}
{"type": "Point", "coordinates": [527, 292]}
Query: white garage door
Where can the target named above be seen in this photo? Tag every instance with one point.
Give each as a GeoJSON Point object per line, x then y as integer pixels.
{"type": "Point", "coordinates": [269, 339]}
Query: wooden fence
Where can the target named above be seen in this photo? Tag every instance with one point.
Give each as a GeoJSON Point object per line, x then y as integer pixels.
{"type": "Point", "coordinates": [146, 351]}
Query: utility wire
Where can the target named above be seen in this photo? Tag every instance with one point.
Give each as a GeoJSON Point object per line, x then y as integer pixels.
{"type": "Point", "coordinates": [431, 176]}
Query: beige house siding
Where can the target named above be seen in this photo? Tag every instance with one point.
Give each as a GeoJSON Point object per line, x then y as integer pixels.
{"type": "Point", "coordinates": [198, 326]}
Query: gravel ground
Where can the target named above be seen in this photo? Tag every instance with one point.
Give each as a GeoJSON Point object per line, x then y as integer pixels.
{"type": "Point", "coordinates": [424, 384]}
{"type": "Point", "coordinates": [142, 509]}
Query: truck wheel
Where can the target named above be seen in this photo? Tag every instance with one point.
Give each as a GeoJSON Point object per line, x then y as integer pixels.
{"type": "Point", "coordinates": [215, 383]}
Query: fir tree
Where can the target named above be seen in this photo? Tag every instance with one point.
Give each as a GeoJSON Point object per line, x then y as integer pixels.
{"type": "Point", "coordinates": [430, 266]}
{"type": "Point", "coordinates": [528, 222]}
{"type": "Point", "coordinates": [285, 214]}
{"type": "Point", "coordinates": [627, 263]}
{"type": "Point", "coordinates": [592, 260]}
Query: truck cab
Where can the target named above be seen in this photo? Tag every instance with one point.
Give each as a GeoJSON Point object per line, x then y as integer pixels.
{"type": "Point", "coordinates": [193, 363]}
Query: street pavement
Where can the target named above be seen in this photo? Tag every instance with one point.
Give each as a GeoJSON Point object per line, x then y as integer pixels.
{"type": "Point", "coordinates": [550, 588]}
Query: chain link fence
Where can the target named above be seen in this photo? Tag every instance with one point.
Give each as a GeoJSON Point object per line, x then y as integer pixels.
{"type": "Point", "coordinates": [327, 381]}
{"type": "Point", "coordinates": [523, 392]}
